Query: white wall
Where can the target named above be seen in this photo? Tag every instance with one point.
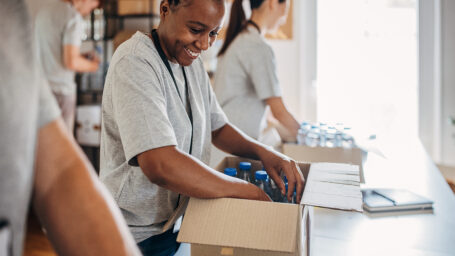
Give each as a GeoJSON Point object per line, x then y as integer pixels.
{"type": "Point", "coordinates": [448, 81]}
{"type": "Point", "coordinates": [437, 78]}
{"type": "Point", "coordinates": [296, 61]}
{"type": "Point", "coordinates": [429, 76]}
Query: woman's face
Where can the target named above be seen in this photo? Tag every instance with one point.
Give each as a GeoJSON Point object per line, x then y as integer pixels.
{"type": "Point", "coordinates": [280, 14]}
{"type": "Point", "coordinates": [85, 7]}
{"type": "Point", "coordinates": [189, 28]}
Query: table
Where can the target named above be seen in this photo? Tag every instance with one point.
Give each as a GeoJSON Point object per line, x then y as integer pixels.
{"type": "Point", "coordinates": [406, 166]}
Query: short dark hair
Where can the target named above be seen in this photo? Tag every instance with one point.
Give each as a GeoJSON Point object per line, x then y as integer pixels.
{"type": "Point", "coordinates": [175, 3]}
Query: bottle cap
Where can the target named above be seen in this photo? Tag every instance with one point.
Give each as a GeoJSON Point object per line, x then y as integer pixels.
{"type": "Point", "coordinates": [261, 175]}
{"type": "Point", "coordinates": [246, 166]}
{"type": "Point", "coordinates": [230, 172]}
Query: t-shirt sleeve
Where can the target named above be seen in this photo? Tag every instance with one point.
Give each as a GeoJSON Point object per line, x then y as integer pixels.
{"type": "Point", "coordinates": [139, 108]}
{"type": "Point", "coordinates": [262, 71]}
{"type": "Point", "coordinates": [74, 29]}
{"type": "Point", "coordinates": [217, 116]}
{"type": "Point", "coordinates": [48, 108]}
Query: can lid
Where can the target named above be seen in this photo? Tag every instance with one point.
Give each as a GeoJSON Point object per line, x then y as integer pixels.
{"type": "Point", "coordinates": [230, 171]}
{"type": "Point", "coordinates": [261, 175]}
{"type": "Point", "coordinates": [246, 166]}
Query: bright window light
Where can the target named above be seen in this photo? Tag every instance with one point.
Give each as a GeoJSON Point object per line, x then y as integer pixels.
{"type": "Point", "coordinates": [367, 65]}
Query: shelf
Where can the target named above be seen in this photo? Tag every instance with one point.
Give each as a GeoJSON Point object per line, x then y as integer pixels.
{"type": "Point", "coordinates": [131, 16]}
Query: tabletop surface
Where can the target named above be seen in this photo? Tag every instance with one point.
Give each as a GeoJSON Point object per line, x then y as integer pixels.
{"type": "Point", "coordinates": [406, 166]}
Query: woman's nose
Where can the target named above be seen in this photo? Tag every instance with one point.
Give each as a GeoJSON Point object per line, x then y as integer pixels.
{"type": "Point", "coordinates": [204, 42]}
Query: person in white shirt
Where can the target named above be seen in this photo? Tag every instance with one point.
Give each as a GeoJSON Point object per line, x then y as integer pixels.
{"type": "Point", "coordinates": [246, 82]}
{"type": "Point", "coordinates": [59, 29]}
{"type": "Point", "coordinates": [40, 163]}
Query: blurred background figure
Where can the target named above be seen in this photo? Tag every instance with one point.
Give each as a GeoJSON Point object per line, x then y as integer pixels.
{"type": "Point", "coordinates": [59, 30]}
{"type": "Point", "coordinates": [246, 81]}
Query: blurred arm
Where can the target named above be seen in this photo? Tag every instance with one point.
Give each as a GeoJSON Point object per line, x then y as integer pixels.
{"type": "Point", "coordinates": [79, 214]}
{"type": "Point", "coordinates": [73, 60]}
{"type": "Point", "coordinates": [282, 114]}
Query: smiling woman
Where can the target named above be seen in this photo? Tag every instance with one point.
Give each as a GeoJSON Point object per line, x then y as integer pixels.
{"type": "Point", "coordinates": [189, 27]}
{"type": "Point", "coordinates": [160, 117]}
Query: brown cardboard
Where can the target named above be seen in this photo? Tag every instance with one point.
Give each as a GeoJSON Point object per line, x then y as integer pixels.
{"type": "Point", "coordinates": [307, 154]}
{"type": "Point", "coordinates": [241, 227]}
{"type": "Point", "coordinates": [247, 226]}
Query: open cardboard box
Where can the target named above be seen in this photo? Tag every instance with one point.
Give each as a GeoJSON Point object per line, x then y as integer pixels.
{"type": "Point", "coordinates": [240, 227]}
{"type": "Point", "coordinates": [355, 156]}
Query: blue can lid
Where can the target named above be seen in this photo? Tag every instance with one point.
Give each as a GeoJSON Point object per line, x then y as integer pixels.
{"type": "Point", "coordinates": [230, 171]}
{"type": "Point", "coordinates": [246, 166]}
{"type": "Point", "coordinates": [261, 175]}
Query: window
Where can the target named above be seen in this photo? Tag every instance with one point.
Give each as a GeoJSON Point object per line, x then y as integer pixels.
{"type": "Point", "coordinates": [367, 65]}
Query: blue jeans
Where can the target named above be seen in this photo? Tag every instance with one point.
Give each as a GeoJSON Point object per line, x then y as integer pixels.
{"type": "Point", "coordinates": [164, 244]}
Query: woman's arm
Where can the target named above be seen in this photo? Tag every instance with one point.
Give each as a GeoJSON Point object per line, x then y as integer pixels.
{"type": "Point", "coordinates": [282, 114]}
{"type": "Point", "coordinates": [177, 171]}
{"type": "Point", "coordinates": [79, 214]}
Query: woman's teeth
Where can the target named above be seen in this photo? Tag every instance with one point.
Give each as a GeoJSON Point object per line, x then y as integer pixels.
{"type": "Point", "coordinates": [193, 54]}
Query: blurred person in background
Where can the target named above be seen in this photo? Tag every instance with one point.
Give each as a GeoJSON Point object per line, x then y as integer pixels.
{"type": "Point", "coordinates": [59, 29]}
{"type": "Point", "coordinates": [246, 82]}
{"type": "Point", "coordinates": [40, 161]}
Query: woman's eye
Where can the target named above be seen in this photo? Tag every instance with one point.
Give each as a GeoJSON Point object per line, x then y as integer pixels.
{"type": "Point", "coordinates": [213, 33]}
{"type": "Point", "coordinates": [195, 31]}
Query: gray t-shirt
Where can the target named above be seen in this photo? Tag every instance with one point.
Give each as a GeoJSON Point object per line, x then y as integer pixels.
{"type": "Point", "coordinates": [142, 111]}
{"type": "Point", "coordinates": [58, 24]}
{"type": "Point", "coordinates": [245, 76]}
{"type": "Point", "coordinates": [26, 104]}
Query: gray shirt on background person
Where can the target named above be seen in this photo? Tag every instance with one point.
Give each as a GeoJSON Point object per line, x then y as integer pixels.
{"type": "Point", "coordinates": [58, 24]}
{"type": "Point", "coordinates": [26, 104]}
{"type": "Point", "coordinates": [141, 110]}
{"type": "Point", "coordinates": [246, 76]}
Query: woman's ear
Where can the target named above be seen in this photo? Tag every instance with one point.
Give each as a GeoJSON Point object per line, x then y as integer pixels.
{"type": "Point", "coordinates": [164, 9]}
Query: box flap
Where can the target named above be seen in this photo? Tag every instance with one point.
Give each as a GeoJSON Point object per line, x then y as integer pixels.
{"type": "Point", "coordinates": [323, 154]}
{"type": "Point", "coordinates": [241, 223]}
{"type": "Point", "coordinates": [333, 185]}
{"type": "Point", "coordinates": [327, 155]}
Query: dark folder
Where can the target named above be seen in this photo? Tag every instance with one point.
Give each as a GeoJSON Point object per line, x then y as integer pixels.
{"type": "Point", "coordinates": [388, 200]}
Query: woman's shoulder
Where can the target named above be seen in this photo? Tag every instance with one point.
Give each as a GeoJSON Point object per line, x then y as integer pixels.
{"type": "Point", "coordinates": [138, 48]}
{"type": "Point", "coordinates": [248, 42]}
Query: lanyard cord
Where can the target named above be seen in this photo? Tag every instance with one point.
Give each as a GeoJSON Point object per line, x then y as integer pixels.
{"type": "Point", "coordinates": [156, 41]}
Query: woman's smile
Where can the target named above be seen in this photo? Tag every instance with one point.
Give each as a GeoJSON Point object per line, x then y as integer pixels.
{"type": "Point", "coordinates": [192, 54]}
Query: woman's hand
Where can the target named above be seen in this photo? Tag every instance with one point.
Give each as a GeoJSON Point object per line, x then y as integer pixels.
{"type": "Point", "coordinates": [276, 163]}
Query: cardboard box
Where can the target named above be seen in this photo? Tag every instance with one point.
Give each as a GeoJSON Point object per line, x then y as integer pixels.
{"type": "Point", "coordinates": [355, 156]}
{"type": "Point", "coordinates": [127, 7]}
{"type": "Point", "coordinates": [241, 227]}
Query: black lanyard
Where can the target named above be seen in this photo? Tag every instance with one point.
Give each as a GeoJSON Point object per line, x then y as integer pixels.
{"type": "Point", "coordinates": [156, 41]}
{"type": "Point", "coordinates": [254, 25]}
